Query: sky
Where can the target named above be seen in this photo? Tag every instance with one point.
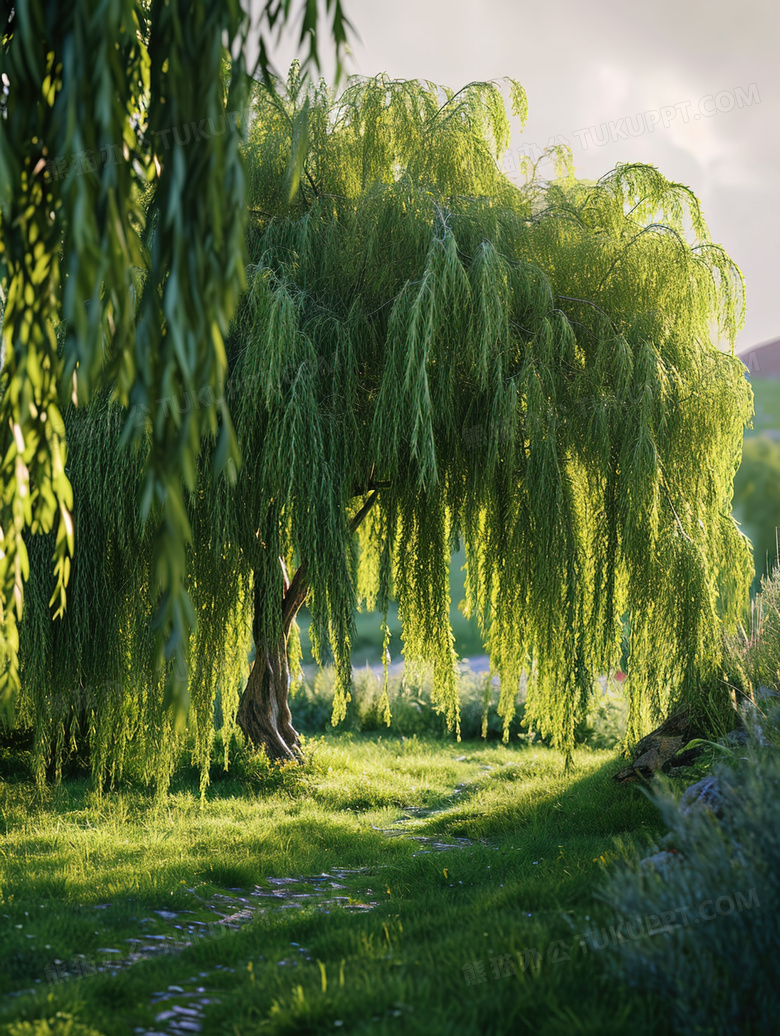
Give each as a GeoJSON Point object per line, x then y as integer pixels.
{"type": "Point", "coordinates": [690, 87]}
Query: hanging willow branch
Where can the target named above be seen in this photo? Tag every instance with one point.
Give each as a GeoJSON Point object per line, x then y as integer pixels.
{"type": "Point", "coordinates": [133, 245]}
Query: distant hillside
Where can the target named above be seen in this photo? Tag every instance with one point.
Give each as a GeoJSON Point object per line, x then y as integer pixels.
{"type": "Point", "coordinates": [763, 361]}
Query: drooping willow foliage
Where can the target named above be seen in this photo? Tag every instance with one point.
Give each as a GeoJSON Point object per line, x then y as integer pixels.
{"type": "Point", "coordinates": [527, 370]}
{"type": "Point", "coordinates": [96, 673]}
{"type": "Point", "coordinates": [91, 92]}
{"type": "Point", "coordinates": [101, 106]}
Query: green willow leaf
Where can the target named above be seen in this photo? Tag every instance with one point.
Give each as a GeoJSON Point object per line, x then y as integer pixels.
{"type": "Point", "coordinates": [123, 210]}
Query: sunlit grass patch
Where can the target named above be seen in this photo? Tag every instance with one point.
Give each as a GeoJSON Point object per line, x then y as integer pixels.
{"type": "Point", "coordinates": [390, 941]}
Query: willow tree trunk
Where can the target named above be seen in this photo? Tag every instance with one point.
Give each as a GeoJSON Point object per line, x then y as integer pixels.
{"type": "Point", "coordinates": [264, 714]}
{"type": "Point", "coordinates": [264, 711]}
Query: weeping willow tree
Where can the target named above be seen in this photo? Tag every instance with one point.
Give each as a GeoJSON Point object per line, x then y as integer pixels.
{"type": "Point", "coordinates": [428, 355]}
{"type": "Point", "coordinates": [94, 679]}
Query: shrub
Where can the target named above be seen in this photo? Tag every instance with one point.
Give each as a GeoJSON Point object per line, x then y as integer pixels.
{"type": "Point", "coordinates": [755, 655]}
{"type": "Point", "coordinates": [411, 709]}
{"type": "Point", "coordinates": [604, 726]}
{"type": "Point", "coordinates": [61, 1025]}
{"type": "Point", "coordinates": [717, 893]}
{"type": "Point", "coordinates": [714, 961]}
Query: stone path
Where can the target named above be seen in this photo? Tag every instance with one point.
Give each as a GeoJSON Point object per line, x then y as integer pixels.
{"type": "Point", "coordinates": [182, 1006]}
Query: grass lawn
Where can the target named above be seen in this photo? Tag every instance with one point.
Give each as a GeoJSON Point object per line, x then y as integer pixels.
{"type": "Point", "coordinates": [128, 914]}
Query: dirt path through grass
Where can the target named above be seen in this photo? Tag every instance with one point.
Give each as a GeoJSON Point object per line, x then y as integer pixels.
{"type": "Point", "coordinates": [362, 889]}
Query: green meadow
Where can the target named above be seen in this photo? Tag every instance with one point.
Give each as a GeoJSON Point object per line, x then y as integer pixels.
{"type": "Point", "coordinates": [389, 885]}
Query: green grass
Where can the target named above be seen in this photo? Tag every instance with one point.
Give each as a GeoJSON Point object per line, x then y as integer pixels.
{"type": "Point", "coordinates": [80, 875]}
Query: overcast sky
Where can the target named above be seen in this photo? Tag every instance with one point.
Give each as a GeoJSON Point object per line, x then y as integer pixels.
{"type": "Point", "coordinates": [689, 86]}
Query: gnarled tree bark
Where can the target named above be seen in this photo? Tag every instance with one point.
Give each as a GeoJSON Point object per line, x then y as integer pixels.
{"type": "Point", "coordinates": [264, 715]}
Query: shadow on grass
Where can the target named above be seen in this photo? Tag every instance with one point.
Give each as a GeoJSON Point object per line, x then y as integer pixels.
{"type": "Point", "coordinates": [499, 902]}
{"type": "Point", "coordinates": [534, 795]}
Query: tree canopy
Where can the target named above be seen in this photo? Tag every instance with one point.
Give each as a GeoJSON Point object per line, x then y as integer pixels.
{"type": "Point", "coordinates": [427, 354]}
{"type": "Point", "coordinates": [133, 247]}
